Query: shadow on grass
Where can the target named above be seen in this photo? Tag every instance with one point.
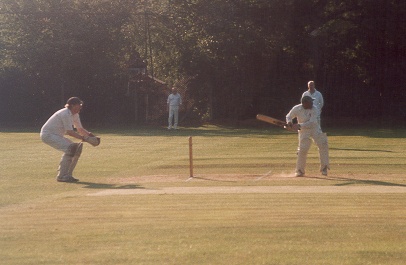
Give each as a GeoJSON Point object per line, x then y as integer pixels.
{"type": "Point", "coordinates": [361, 150]}
{"type": "Point", "coordinates": [91, 185]}
{"type": "Point", "coordinates": [352, 181]}
{"type": "Point", "coordinates": [214, 180]}
{"type": "Point", "coordinates": [371, 132]}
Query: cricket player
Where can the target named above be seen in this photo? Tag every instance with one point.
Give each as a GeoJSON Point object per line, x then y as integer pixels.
{"type": "Point", "coordinates": [66, 121]}
{"type": "Point", "coordinates": [173, 102]}
{"type": "Point", "coordinates": [306, 114]}
{"type": "Point", "coordinates": [318, 100]}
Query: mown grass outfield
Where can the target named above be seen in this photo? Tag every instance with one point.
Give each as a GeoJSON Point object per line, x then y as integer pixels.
{"type": "Point", "coordinates": [135, 202]}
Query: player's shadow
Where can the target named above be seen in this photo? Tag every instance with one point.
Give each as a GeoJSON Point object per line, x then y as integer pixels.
{"type": "Point", "coordinates": [352, 181]}
{"type": "Point", "coordinates": [361, 150]}
{"type": "Point", "coordinates": [209, 179]}
{"type": "Point", "coordinates": [104, 186]}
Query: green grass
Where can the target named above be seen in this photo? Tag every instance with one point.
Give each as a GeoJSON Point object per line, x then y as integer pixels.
{"type": "Point", "coordinates": [46, 222]}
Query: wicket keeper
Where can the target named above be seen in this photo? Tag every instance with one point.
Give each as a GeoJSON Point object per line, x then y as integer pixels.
{"type": "Point", "coordinates": [53, 132]}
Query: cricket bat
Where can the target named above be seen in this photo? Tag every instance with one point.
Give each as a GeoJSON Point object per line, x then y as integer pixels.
{"type": "Point", "coordinates": [273, 121]}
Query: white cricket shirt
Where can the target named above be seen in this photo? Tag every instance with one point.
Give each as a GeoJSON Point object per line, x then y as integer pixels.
{"type": "Point", "coordinates": [307, 118]}
{"type": "Point", "coordinates": [60, 122]}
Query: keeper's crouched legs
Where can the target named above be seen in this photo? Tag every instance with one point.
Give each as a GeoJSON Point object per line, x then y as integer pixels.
{"type": "Point", "coordinates": [69, 161]}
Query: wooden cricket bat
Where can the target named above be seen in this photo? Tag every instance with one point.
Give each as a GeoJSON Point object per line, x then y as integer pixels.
{"type": "Point", "coordinates": [272, 121]}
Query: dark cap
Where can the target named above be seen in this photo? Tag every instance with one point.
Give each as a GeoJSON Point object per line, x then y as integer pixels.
{"type": "Point", "coordinates": [74, 101]}
{"type": "Point", "coordinates": [307, 99]}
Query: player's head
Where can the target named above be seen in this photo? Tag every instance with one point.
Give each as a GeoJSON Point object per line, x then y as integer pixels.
{"type": "Point", "coordinates": [307, 102]}
{"type": "Point", "coordinates": [74, 103]}
{"type": "Point", "coordinates": [174, 90]}
{"type": "Point", "coordinates": [311, 85]}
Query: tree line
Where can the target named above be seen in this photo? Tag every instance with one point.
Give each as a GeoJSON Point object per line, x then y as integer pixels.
{"type": "Point", "coordinates": [232, 58]}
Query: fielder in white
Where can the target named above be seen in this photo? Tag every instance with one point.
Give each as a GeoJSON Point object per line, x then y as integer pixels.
{"type": "Point", "coordinates": [173, 102]}
{"type": "Point", "coordinates": [318, 100]}
{"type": "Point", "coordinates": [53, 133]}
{"type": "Point", "coordinates": [308, 128]}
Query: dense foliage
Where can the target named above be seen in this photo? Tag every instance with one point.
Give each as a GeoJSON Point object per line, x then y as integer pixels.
{"type": "Point", "coordinates": [239, 57]}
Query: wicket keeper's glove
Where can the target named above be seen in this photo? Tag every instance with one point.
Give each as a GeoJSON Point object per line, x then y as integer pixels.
{"type": "Point", "coordinates": [93, 140]}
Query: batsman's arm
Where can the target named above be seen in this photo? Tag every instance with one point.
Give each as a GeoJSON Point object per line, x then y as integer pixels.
{"type": "Point", "coordinates": [289, 121]}
{"type": "Point", "coordinates": [289, 118]}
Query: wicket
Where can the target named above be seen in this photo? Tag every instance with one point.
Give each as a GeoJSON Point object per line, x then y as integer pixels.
{"type": "Point", "coordinates": [190, 157]}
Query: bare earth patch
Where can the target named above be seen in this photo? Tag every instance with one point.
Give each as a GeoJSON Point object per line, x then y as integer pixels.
{"type": "Point", "coordinates": [253, 189]}
{"type": "Point", "coordinates": [367, 183]}
{"type": "Point", "coordinates": [181, 178]}
{"type": "Point", "coordinates": [253, 177]}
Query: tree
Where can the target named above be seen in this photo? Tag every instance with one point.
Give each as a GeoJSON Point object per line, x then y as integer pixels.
{"type": "Point", "coordinates": [240, 57]}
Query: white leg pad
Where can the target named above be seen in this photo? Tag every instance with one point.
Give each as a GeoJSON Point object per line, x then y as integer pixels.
{"type": "Point", "coordinates": [64, 165]}
{"type": "Point", "coordinates": [304, 146]}
{"type": "Point", "coordinates": [75, 158]}
{"type": "Point", "coordinates": [322, 143]}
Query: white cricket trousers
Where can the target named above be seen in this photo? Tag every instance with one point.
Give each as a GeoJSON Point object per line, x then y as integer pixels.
{"type": "Point", "coordinates": [56, 141]}
{"type": "Point", "coordinates": [305, 141]}
{"type": "Point", "coordinates": [66, 146]}
{"type": "Point", "coordinates": [173, 115]}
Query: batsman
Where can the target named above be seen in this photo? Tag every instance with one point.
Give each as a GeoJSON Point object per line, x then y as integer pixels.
{"type": "Point", "coordinates": [308, 128]}
{"type": "Point", "coordinates": [66, 121]}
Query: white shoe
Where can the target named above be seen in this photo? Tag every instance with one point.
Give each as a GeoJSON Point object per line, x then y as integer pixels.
{"type": "Point", "coordinates": [169, 127]}
{"type": "Point", "coordinates": [299, 173]}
